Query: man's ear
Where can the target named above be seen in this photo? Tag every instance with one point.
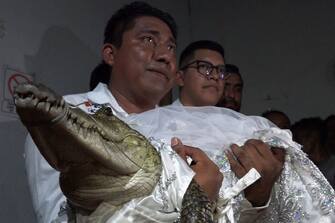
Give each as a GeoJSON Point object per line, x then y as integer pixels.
{"type": "Point", "coordinates": [180, 78]}
{"type": "Point", "coordinates": [108, 53]}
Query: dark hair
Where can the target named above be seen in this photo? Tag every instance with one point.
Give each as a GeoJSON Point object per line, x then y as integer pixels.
{"type": "Point", "coordinates": [329, 127]}
{"type": "Point", "coordinates": [124, 18]}
{"type": "Point", "coordinates": [231, 68]}
{"type": "Point", "coordinates": [273, 112]}
{"type": "Point", "coordinates": [308, 128]}
{"type": "Point", "coordinates": [188, 52]}
{"type": "Point", "coordinates": [101, 73]}
{"type": "Point", "coordinates": [330, 118]}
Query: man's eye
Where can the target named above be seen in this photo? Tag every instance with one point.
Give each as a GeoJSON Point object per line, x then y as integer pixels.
{"type": "Point", "coordinates": [238, 89]}
{"type": "Point", "coordinates": [172, 47]}
{"type": "Point", "coordinates": [222, 70]}
{"type": "Point", "coordinates": [148, 39]}
{"type": "Point", "coordinates": [204, 66]}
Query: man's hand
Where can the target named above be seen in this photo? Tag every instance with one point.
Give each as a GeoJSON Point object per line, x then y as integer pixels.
{"type": "Point", "coordinates": [268, 162]}
{"type": "Point", "coordinates": [207, 174]}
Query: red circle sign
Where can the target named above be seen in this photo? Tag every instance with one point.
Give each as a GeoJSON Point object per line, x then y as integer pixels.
{"type": "Point", "coordinates": [15, 80]}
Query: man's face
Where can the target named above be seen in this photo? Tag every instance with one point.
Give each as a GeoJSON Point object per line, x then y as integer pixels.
{"type": "Point", "coordinates": [232, 95]}
{"type": "Point", "coordinates": [144, 66]}
{"type": "Point", "coordinates": [198, 90]}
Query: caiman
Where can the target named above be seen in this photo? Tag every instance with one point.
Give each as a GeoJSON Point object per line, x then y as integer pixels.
{"type": "Point", "coordinates": [100, 158]}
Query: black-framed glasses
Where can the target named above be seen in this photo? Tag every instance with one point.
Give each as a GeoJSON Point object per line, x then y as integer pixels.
{"type": "Point", "coordinates": [206, 68]}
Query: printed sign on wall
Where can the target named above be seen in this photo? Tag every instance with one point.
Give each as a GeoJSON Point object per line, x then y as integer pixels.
{"type": "Point", "coordinates": [12, 78]}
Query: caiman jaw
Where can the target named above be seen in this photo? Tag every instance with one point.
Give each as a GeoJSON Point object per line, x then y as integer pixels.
{"type": "Point", "coordinates": [38, 102]}
{"type": "Point", "coordinates": [82, 124]}
{"type": "Point", "coordinates": [61, 131]}
{"type": "Point", "coordinates": [99, 156]}
{"type": "Point", "coordinates": [49, 107]}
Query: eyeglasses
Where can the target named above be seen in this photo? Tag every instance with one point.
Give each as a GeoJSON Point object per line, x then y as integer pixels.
{"type": "Point", "coordinates": [206, 69]}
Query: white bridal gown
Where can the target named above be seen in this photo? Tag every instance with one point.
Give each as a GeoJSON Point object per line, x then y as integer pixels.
{"type": "Point", "coordinates": [301, 194]}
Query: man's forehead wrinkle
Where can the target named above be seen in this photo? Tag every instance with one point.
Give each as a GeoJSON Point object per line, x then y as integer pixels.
{"type": "Point", "coordinates": [149, 30]}
{"type": "Point", "coordinates": [151, 27]}
{"type": "Point", "coordinates": [233, 80]}
{"type": "Point", "coordinates": [207, 60]}
{"type": "Point", "coordinates": [156, 33]}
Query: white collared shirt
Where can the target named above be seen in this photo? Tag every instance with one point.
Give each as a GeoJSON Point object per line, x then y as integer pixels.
{"type": "Point", "coordinates": [177, 102]}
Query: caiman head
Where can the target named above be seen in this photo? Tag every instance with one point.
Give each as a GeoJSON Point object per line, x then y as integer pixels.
{"type": "Point", "coordinates": [101, 159]}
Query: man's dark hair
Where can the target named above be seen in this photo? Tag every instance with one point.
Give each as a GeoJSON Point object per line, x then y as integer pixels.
{"type": "Point", "coordinates": [329, 126]}
{"type": "Point", "coordinates": [267, 113]}
{"type": "Point", "coordinates": [100, 74]}
{"type": "Point", "coordinates": [123, 20]}
{"type": "Point", "coordinates": [330, 118]}
{"type": "Point", "coordinates": [309, 128]}
{"type": "Point", "coordinates": [188, 52]}
{"type": "Point", "coordinates": [231, 68]}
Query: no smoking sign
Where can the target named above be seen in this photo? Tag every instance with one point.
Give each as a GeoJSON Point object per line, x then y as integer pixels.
{"type": "Point", "coordinates": [12, 78]}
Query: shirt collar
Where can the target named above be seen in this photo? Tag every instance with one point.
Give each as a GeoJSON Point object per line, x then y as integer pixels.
{"type": "Point", "coordinates": [102, 95]}
{"type": "Point", "coordinates": [177, 102]}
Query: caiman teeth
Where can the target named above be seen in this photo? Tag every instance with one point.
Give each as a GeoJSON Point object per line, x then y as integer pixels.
{"type": "Point", "coordinates": [78, 128]}
{"type": "Point", "coordinates": [101, 132]}
{"type": "Point", "coordinates": [47, 107]}
{"type": "Point", "coordinates": [85, 125]}
{"type": "Point", "coordinates": [85, 132]}
{"type": "Point", "coordinates": [68, 116]}
{"type": "Point", "coordinates": [72, 118]}
{"type": "Point", "coordinates": [60, 103]}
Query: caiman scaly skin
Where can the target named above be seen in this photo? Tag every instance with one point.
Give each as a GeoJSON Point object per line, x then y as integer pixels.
{"type": "Point", "coordinates": [103, 163]}
{"type": "Point", "coordinates": [196, 206]}
{"type": "Point", "coordinates": [100, 158]}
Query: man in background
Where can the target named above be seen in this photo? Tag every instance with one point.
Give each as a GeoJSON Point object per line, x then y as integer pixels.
{"type": "Point", "coordinates": [279, 118]}
{"type": "Point", "coordinates": [232, 94]}
{"type": "Point", "coordinates": [201, 74]}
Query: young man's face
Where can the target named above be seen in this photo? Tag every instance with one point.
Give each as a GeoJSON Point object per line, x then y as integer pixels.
{"type": "Point", "coordinates": [232, 95]}
{"type": "Point", "coordinates": [197, 89]}
{"type": "Point", "coordinates": [144, 66]}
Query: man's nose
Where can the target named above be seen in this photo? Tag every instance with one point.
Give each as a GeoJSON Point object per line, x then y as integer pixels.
{"type": "Point", "coordinates": [215, 75]}
{"type": "Point", "coordinates": [228, 92]}
{"type": "Point", "coordinates": [163, 54]}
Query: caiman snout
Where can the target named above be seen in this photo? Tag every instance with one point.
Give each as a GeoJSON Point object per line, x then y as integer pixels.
{"type": "Point", "coordinates": [39, 102]}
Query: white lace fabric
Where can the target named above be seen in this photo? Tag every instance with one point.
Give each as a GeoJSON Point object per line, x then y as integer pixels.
{"type": "Point", "coordinates": [301, 194]}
